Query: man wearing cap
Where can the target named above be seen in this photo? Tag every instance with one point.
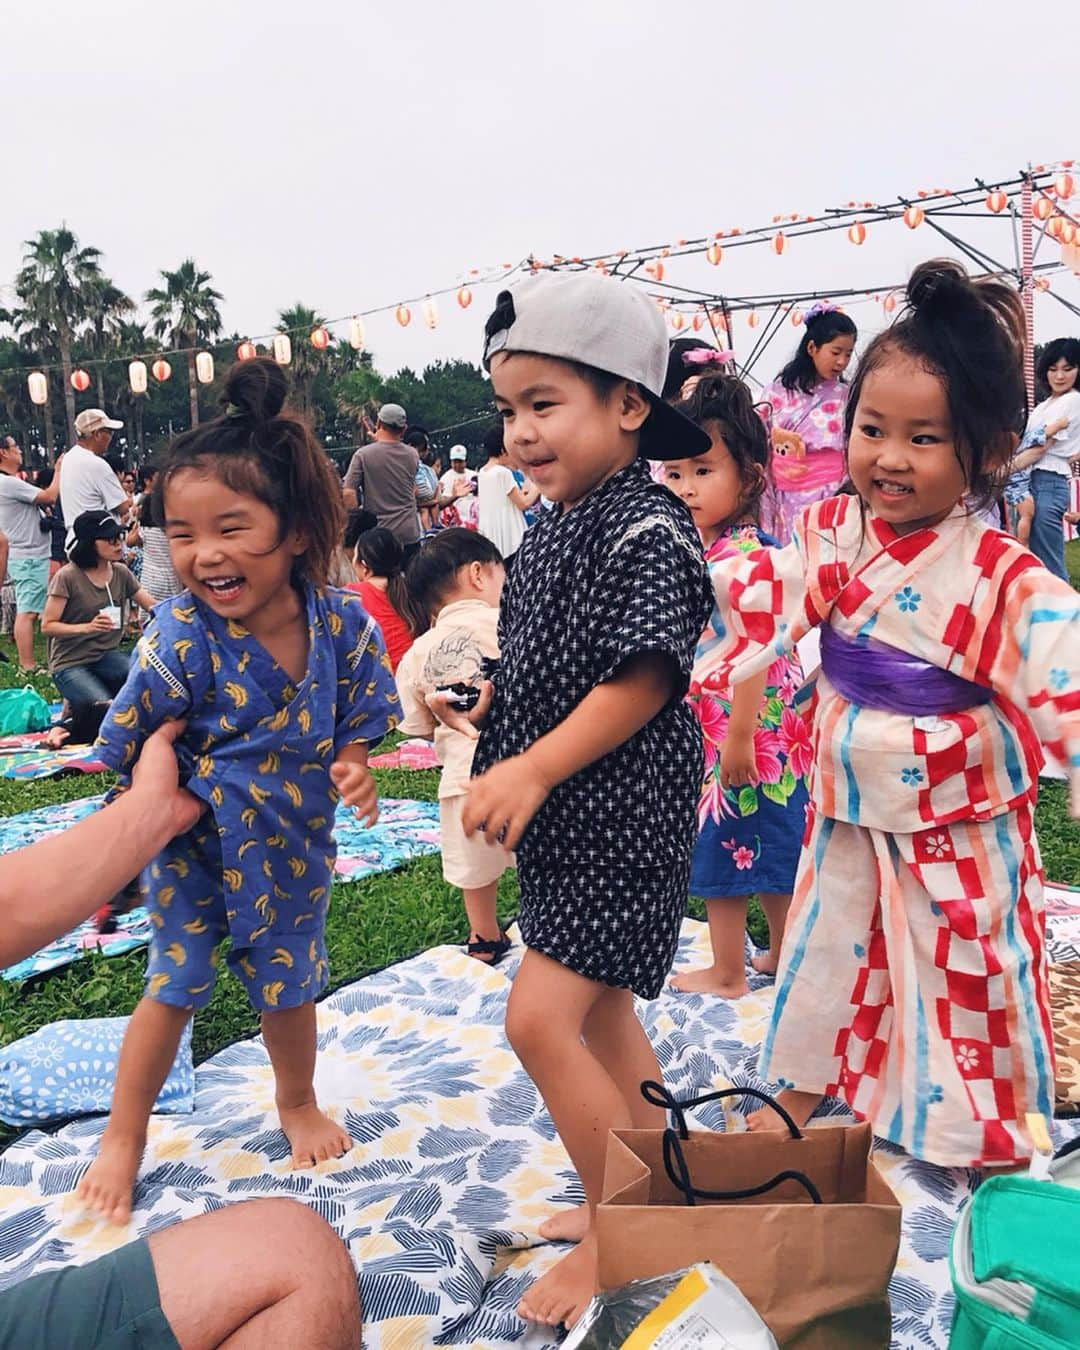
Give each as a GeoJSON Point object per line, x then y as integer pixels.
{"type": "Point", "coordinates": [30, 544]}
{"type": "Point", "coordinates": [87, 483]}
{"type": "Point", "coordinates": [456, 487]}
{"type": "Point", "coordinates": [382, 476]}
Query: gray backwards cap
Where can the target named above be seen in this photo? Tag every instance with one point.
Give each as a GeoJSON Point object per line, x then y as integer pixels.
{"type": "Point", "coordinates": [601, 322]}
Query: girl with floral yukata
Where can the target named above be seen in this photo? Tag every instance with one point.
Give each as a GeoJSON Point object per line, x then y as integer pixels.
{"type": "Point", "coordinates": [806, 405]}
{"type": "Point", "coordinates": [282, 685]}
{"type": "Point", "coordinates": [752, 810]}
{"type": "Point", "coordinates": [912, 980]}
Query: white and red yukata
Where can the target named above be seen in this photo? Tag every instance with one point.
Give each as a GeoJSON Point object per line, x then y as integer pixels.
{"type": "Point", "coordinates": [912, 982]}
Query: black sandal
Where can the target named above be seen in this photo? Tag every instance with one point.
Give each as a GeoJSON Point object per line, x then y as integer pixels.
{"type": "Point", "coordinates": [491, 953]}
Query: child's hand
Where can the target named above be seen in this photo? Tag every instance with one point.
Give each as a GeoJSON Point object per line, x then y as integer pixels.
{"type": "Point", "coordinates": [737, 766]}
{"type": "Point", "coordinates": [455, 718]}
{"type": "Point", "coordinates": [357, 788]}
{"type": "Point", "coordinates": [1060, 424]}
{"type": "Point", "coordinates": [503, 801]}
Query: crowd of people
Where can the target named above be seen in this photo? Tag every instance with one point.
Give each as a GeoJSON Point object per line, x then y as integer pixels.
{"type": "Point", "coordinates": [600, 628]}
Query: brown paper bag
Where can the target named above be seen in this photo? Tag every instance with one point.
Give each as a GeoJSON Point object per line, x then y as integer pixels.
{"type": "Point", "coordinates": [818, 1274]}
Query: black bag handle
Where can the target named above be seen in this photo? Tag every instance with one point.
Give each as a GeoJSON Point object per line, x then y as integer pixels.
{"type": "Point", "coordinates": [656, 1094]}
{"type": "Point", "coordinates": [678, 1174]}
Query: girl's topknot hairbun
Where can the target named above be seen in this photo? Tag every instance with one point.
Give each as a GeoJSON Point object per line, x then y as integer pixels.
{"type": "Point", "coordinates": [937, 284]}
{"type": "Point", "coordinates": [255, 390]}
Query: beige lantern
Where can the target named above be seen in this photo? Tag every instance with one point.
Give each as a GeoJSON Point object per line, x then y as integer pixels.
{"type": "Point", "coordinates": [282, 348]}
{"type": "Point", "coordinates": [137, 377]}
{"type": "Point", "coordinates": [356, 334]}
{"type": "Point", "coordinates": [38, 387]}
{"type": "Point", "coordinates": [431, 312]}
{"type": "Point", "coordinates": [204, 368]}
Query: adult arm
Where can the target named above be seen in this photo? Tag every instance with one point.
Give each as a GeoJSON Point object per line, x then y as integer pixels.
{"type": "Point", "coordinates": [144, 599]}
{"type": "Point", "coordinates": [354, 482]}
{"type": "Point", "coordinates": [52, 624]}
{"type": "Point", "coordinates": [5, 549]}
{"type": "Point", "coordinates": [98, 856]}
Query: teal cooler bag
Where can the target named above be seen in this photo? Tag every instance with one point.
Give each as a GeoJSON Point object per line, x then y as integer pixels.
{"type": "Point", "coordinates": [1016, 1261]}
{"type": "Point", "coordinates": [22, 710]}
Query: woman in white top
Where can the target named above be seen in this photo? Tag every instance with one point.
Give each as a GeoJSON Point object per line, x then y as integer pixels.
{"type": "Point", "coordinates": [1058, 368]}
{"type": "Point", "coordinates": [501, 503]}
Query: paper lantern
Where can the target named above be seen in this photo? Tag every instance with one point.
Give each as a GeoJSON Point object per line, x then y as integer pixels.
{"type": "Point", "coordinates": [914, 217]}
{"type": "Point", "coordinates": [161, 370]}
{"type": "Point", "coordinates": [38, 387]}
{"type": "Point", "coordinates": [659, 273]}
{"type": "Point", "coordinates": [320, 339]}
{"type": "Point", "coordinates": [1055, 227]}
{"type": "Point", "coordinates": [996, 201]}
{"type": "Point", "coordinates": [80, 381]}
{"type": "Point", "coordinates": [889, 304]}
{"type": "Point", "coordinates": [1068, 232]}
{"type": "Point", "coordinates": [431, 312]}
{"type": "Point", "coordinates": [282, 349]}
{"type": "Point", "coordinates": [697, 323]}
{"type": "Point", "coordinates": [1042, 283]}
{"type": "Point", "coordinates": [796, 318]}
{"type": "Point", "coordinates": [356, 334]}
{"type": "Point", "coordinates": [1043, 208]}
{"type": "Point", "coordinates": [752, 319]}
{"type": "Point", "coordinates": [713, 254]}
{"type": "Point", "coordinates": [137, 377]}
{"type": "Point", "coordinates": [779, 243]}
{"type": "Point", "coordinates": [1064, 185]}
{"type": "Point", "coordinates": [402, 315]}
{"type": "Point", "coordinates": [857, 232]}
{"type": "Point", "coordinates": [464, 297]}
{"type": "Point", "coordinates": [677, 321]}
{"type": "Point", "coordinates": [204, 368]}
{"type": "Point", "coordinates": [246, 351]}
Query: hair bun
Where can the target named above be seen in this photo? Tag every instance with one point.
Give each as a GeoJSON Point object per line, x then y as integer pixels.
{"type": "Point", "coordinates": [255, 389]}
{"type": "Point", "coordinates": [937, 284]}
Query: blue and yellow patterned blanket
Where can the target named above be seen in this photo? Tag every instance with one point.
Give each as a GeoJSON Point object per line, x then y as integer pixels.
{"type": "Point", "coordinates": [455, 1163]}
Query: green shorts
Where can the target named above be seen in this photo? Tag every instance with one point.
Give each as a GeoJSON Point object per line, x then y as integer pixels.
{"type": "Point", "coordinates": [31, 580]}
{"type": "Point", "coordinates": [110, 1304]}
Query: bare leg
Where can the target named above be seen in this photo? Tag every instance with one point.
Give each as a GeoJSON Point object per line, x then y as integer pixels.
{"type": "Point", "coordinates": [258, 1274]}
{"type": "Point", "coordinates": [480, 911]}
{"type": "Point", "coordinates": [545, 1021]}
{"type": "Point", "coordinates": [614, 1035]}
{"type": "Point", "coordinates": [290, 1043]}
{"type": "Point", "coordinates": [799, 1105]}
{"type": "Point", "coordinates": [727, 935]}
{"type": "Point", "coordinates": [146, 1056]}
{"type": "Point", "coordinates": [24, 640]}
{"type": "Point", "coordinates": [776, 908]}
{"type": "Point", "coordinates": [1025, 513]}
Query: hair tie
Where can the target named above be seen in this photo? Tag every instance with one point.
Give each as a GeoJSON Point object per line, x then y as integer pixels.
{"type": "Point", "coordinates": [706, 356]}
{"type": "Point", "coordinates": [816, 311]}
{"type": "Point", "coordinates": [233, 410]}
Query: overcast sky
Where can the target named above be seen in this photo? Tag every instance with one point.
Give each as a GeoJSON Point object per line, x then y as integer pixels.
{"type": "Point", "coordinates": [348, 155]}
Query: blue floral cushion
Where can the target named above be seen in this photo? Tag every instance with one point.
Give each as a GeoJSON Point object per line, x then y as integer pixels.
{"type": "Point", "coordinates": [68, 1069]}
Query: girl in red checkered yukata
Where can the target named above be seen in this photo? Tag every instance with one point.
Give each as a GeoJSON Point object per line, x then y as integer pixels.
{"type": "Point", "coordinates": [912, 979]}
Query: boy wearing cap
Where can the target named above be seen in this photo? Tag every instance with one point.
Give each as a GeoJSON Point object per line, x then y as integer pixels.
{"type": "Point", "coordinates": [589, 761]}
{"type": "Point", "coordinates": [87, 483]}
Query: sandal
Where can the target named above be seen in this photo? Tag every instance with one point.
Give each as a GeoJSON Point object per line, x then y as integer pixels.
{"type": "Point", "coordinates": [490, 953]}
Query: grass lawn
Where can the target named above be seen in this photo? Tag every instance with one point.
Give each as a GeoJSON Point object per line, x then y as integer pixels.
{"type": "Point", "coordinates": [371, 923]}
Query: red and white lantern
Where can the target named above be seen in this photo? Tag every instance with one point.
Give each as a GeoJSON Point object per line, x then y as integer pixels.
{"type": "Point", "coordinates": [80, 381]}
{"type": "Point", "coordinates": [857, 233]}
{"type": "Point", "coordinates": [246, 351]}
{"type": "Point", "coordinates": [161, 370]}
{"type": "Point", "coordinates": [320, 338]}
{"type": "Point", "coordinates": [403, 315]}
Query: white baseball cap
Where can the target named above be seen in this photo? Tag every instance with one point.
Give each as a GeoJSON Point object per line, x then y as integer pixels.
{"type": "Point", "coordinates": [603, 322]}
{"type": "Point", "coordinates": [458, 452]}
{"type": "Point", "coordinates": [93, 419]}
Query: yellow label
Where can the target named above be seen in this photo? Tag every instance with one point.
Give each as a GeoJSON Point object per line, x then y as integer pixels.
{"type": "Point", "coordinates": [689, 1288]}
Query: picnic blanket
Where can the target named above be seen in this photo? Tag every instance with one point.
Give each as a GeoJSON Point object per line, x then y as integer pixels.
{"type": "Point", "coordinates": [417, 754]}
{"type": "Point", "coordinates": [405, 830]}
{"type": "Point", "coordinates": [455, 1162]}
{"type": "Point", "coordinates": [41, 762]}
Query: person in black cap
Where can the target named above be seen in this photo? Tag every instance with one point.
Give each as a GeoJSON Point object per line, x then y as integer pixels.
{"type": "Point", "coordinates": [589, 762]}
{"type": "Point", "coordinates": [85, 614]}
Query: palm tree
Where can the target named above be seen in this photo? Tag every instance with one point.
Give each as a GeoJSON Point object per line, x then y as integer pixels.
{"type": "Point", "coordinates": [53, 285]}
{"type": "Point", "coordinates": [308, 362]}
{"type": "Point", "coordinates": [185, 312]}
{"type": "Point", "coordinates": [107, 307]}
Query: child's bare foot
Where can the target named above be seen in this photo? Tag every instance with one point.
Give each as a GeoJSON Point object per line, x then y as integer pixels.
{"type": "Point", "coordinates": [568, 1225]}
{"type": "Point", "coordinates": [312, 1135]}
{"type": "Point", "coordinates": [709, 980]}
{"type": "Point", "coordinates": [800, 1106]}
{"type": "Point", "coordinates": [110, 1180]}
{"type": "Point", "coordinates": [563, 1293]}
{"type": "Point", "coordinates": [764, 963]}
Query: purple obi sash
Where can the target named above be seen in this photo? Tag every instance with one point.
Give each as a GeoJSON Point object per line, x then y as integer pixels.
{"type": "Point", "coordinates": [874, 674]}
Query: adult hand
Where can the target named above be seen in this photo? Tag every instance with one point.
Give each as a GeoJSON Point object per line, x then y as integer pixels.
{"type": "Point", "coordinates": [462, 487]}
{"type": "Point", "coordinates": [737, 767]}
{"type": "Point", "coordinates": [502, 801]}
{"type": "Point", "coordinates": [156, 777]}
{"type": "Point", "coordinates": [100, 623]}
{"type": "Point", "coordinates": [357, 788]}
{"type": "Point", "coordinates": [457, 719]}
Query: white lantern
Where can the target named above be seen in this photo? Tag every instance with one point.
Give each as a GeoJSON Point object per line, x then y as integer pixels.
{"type": "Point", "coordinates": [356, 334]}
{"type": "Point", "coordinates": [137, 377]}
{"type": "Point", "coordinates": [282, 347]}
{"type": "Point", "coordinates": [38, 386]}
{"type": "Point", "coordinates": [431, 312]}
{"type": "Point", "coordinates": [204, 368]}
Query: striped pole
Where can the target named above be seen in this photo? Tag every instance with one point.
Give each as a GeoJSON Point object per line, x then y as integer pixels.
{"type": "Point", "coordinates": [1027, 288]}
